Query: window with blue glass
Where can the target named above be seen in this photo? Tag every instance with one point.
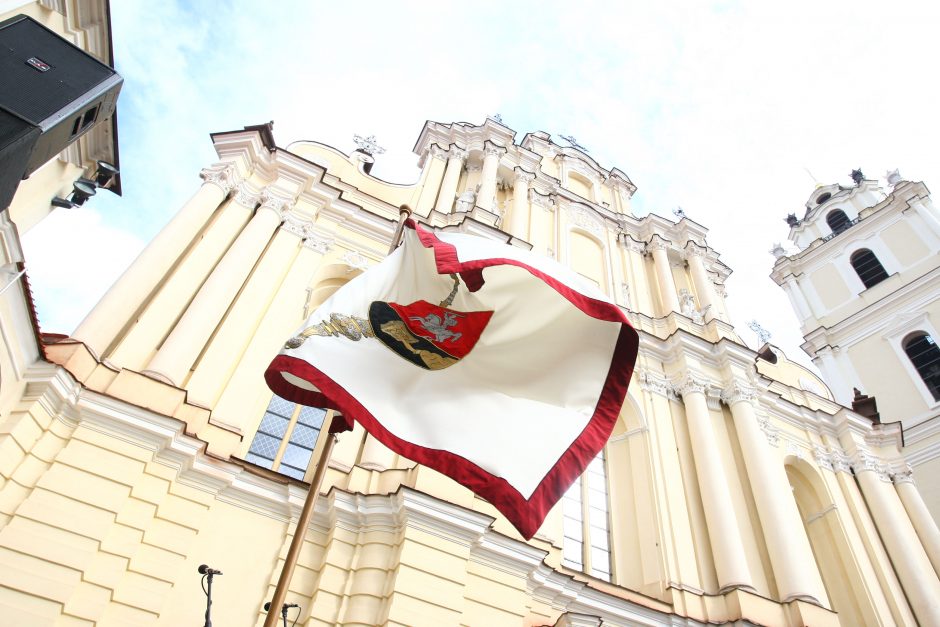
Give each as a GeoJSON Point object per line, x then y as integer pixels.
{"type": "Point", "coordinates": [286, 437]}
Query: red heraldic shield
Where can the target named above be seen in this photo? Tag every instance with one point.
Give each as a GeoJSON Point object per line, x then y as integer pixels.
{"type": "Point", "coordinates": [511, 386]}
{"type": "Point", "coordinates": [429, 336]}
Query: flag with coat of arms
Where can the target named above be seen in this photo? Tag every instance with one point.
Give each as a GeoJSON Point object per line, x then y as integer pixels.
{"type": "Point", "coordinates": [497, 367]}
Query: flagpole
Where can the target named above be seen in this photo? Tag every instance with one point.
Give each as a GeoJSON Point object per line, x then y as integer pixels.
{"type": "Point", "coordinates": [404, 212]}
{"type": "Point", "coordinates": [280, 591]}
{"type": "Point", "coordinates": [290, 560]}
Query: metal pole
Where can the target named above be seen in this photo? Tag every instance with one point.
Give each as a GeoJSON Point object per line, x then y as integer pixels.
{"type": "Point", "coordinates": [280, 591]}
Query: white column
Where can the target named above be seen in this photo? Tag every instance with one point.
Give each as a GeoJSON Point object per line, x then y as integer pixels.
{"type": "Point", "coordinates": [907, 554]}
{"type": "Point", "coordinates": [727, 548]}
{"type": "Point", "coordinates": [232, 339]}
{"type": "Point", "coordinates": [791, 555]}
{"type": "Point", "coordinates": [667, 285]}
{"type": "Point", "coordinates": [445, 199]}
{"type": "Point", "coordinates": [797, 299]}
{"type": "Point", "coordinates": [923, 522]}
{"type": "Point", "coordinates": [833, 376]}
{"type": "Point", "coordinates": [182, 347]}
{"type": "Point", "coordinates": [487, 195]}
{"type": "Point", "coordinates": [519, 218]}
{"type": "Point", "coordinates": [703, 283]}
{"type": "Point", "coordinates": [119, 305]}
{"type": "Point", "coordinates": [238, 403]}
{"type": "Point", "coordinates": [138, 345]}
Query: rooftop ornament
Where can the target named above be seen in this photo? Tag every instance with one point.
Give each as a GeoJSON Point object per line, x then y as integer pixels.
{"type": "Point", "coordinates": [496, 118]}
{"type": "Point", "coordinates": [857, 176]}
{"type": "Point", "coordinates": [679, 212]}
{"type": "Point", "coordinates": [368, 145]}
{"type": "Point", "coordinates": [792, 220]}
{"type": "Point", "coordinates": [763, 335]}
{"type": "Point", "coordinates": [778, 251]}
{"type": "Point", "coordinates": [573, 143]}
{"type": "Point", "coordinates": [893, 177]}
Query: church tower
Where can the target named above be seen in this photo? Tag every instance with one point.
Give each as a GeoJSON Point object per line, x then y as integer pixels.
{"type": "Point", "coordinates": [734, 488]}
{"type": "Point", "coordinates": [865, 284]}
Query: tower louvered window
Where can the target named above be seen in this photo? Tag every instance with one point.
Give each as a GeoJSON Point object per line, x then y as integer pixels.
{"type": "Point", "coordinates": [286, 437]}
{"type": "Point", "coordinates": [868, 268]}
{"type": "Point", "coordinates": [923, 352]}
{"type": "Point", "coordinates": [837, 221]}
{"type": "Point", "coordinates": [586, 545]}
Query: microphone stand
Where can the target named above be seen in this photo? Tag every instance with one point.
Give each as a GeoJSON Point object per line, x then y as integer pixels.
{"type": "Point", "coordinates": [284, 609]}
{"type": "Point", "coordinates": [208, 578]}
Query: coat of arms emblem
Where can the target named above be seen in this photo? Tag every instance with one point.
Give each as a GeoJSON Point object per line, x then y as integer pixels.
{"type": "Point", "coordinates": [430, 336]}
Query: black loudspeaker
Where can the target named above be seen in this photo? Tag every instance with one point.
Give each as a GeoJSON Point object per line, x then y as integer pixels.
{"type": "Point", "coordinates": [51, 93]}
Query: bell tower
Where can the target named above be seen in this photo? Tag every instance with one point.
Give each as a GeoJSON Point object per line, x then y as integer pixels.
{"type": "Point", "coordinates": [865, 285]}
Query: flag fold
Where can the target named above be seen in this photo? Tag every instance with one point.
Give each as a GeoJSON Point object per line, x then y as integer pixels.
{"type": "Point", "coordinates": [501, 369]}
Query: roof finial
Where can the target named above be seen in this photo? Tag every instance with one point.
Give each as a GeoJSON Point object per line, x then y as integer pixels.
{"type": "Point", "coordinates": [368, 145]}
{"type": "Point", "coordinates": [815, 180]}
{"type": "Point", "coordinates": [763, 335]}
{"type": "Point", "coordinates": [857, 176]}
{"type": "Point", "coordinates": [573, 142]}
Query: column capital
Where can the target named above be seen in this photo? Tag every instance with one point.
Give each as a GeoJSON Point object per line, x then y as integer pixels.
{"type": "Point", "coordinates": [493, 150]}
{"type": "Point", "coordinates": [225, 176]}
{"type": "Point", "coordinates": [295, 225]}
{"type": "Point", "coordinates": [318, 241]}
{"type": "Point", "coordinates": [658, 242]}
{"type": "Point", "coordinates": [655, 384]}
{"type": "Point", "coordinates": [247, 196]}
{"type": "Point", "coordinates": [522, 176]}
{"type": "Point", "coordinates": [438, 153]}
{"type": "Point", "coordinates": [905, 476]}
{"type": "Point", "coordinates": [694, 250]}
{"type": "Point", "coordinates": [866, 462]}
{"type": "Point", "coordinates": [689, 383]}
{"type": "Point", "coordinates": [276, 201]}
{"type": "Point", "coordinates": [738, 392]}
{"type": "Point", "coordinates": [456, 152]}
{"type": "Point", "coordinates": [545, 201]}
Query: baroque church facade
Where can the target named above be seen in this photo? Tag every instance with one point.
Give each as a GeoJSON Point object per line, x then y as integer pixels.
{"type": "Point", "coordinates": [735, 488]}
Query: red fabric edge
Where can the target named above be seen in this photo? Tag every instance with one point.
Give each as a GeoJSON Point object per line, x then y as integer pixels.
{"type": "Point", "coordinates": [526, 515]}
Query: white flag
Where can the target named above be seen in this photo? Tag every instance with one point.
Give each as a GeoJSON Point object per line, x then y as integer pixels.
{"type": "Point", "coordinates": [499, 368]}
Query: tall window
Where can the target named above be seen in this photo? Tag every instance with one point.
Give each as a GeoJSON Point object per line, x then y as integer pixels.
{"type": "Point", "coordinates": [286, 437]}
{"type": "Point", "coordinates": [837, 221]}
{"type": "Point", "coordinates": [922, 350]}
{"type": "Point", "coordinates": [586, 545]}
{"type": "Point", "coordinates": [868, 268]}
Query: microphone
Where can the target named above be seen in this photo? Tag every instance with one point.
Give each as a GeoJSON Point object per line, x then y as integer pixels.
{"type": "Point", "coordinates": [205, 570]}
{"type": "Point", "coordinates": [267, 606]}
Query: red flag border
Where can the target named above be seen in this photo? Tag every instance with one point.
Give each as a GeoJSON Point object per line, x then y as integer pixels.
{"type": "Point", "coordinates": [527, 515]}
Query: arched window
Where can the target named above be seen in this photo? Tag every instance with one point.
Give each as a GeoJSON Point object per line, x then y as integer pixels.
{"type": "Point", "coordinates": [286, 436]}
{"type": "Point", "coordinates": [586, 546]}
{"type": "Point", "coordinates": [837, 221]}
{"type": "Point", "coordinates": [868, 268]}
{"type": "Point", "coordinates": [922, 350]}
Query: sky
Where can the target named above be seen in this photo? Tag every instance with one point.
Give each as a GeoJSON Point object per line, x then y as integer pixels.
{"type": "Point", "coordinates": [730, 110]}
